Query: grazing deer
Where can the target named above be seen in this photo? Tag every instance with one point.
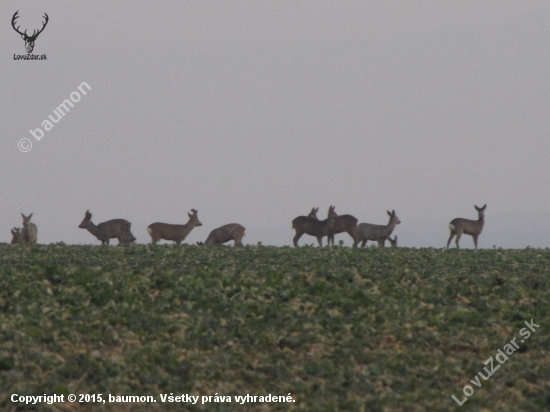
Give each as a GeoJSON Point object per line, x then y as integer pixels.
{"type": "Point", "coordinates": [177, 233]}
{"type": "Point", "coordinates": [17, 238]}
{"type": "Point", "coordinates": [127, 239]}
{"type": "Point", "coordinates": [340, 224]}
{"type": "Point", "coordinates": [225, 233]}
{"type": "Point", "coordinates": [473, 228]}
{"type": "Point", "coordinates": [393, 241]}
{"type": "Point", "coordinates": [312, 226]}
{"type": "Point", "coordinates": [29, 231]}
{"type": "Point", "coordinates": [115, 228]}
{"type": "Point", "coordinates": [378, 233]}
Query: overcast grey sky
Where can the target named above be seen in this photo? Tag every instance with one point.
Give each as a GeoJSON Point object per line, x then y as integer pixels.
{"type": "Point", "coordinates": [256, 111]}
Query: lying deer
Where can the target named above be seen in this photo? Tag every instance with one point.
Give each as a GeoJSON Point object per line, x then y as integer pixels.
{"type": "Point", "coordinates": [17, 238]}
{"type": "Point", "coordinates": [341, 224]}
{"type": "Point", "coordinates": [312, 226]}
{"type": "Point", "coordinates": [225, 233]}
{"type": "Point", "coordinates": [115, 228]}
{"type": "Point", "coordinates": [29, 231]}
{"type": "Point", "coordinates": [177, 233]}
{"type": "Point", "coordinates": [378, 233]}
{"type": "Point", "coordinates": [473, 228]}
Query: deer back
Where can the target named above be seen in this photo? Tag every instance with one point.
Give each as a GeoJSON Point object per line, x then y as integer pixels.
{"type": "Point", "coordinates": [225, 233]}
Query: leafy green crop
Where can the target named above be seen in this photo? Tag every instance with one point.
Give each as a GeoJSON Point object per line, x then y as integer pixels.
{"type": "Point", "coordinates": [390, 329]}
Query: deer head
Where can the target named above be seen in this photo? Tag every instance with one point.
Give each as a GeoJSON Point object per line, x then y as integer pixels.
{"type": "Point", "coordinates": [85, 222]}
{"type": "Point", "coordinates": [194, 218]}
{"type": "Point", "coordinates": [29, 40]}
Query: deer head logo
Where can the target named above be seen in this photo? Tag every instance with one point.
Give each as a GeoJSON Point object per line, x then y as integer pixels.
{"type": "Point", "coordinates": [29, 40]}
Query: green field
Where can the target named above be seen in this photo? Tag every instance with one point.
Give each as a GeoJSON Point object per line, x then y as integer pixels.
{"type": "Point", "coordinates": [390, 329]}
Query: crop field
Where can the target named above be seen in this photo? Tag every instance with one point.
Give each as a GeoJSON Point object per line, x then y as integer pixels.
{"type": "Point", "coordinates": [391, 329]}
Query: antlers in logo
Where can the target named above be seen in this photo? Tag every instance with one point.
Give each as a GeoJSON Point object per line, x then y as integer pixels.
{"type": "Point", "coordinates": [29, 40]}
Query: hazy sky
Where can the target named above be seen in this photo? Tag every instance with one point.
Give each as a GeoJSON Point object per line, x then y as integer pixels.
{"type": "Point", "coordinates": [256, 111]}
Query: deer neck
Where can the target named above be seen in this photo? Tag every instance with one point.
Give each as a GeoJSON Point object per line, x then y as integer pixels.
{"type": "Point", "coordinates": [93, 229]}
{"type": "Point", "coordinates": [481, 221]}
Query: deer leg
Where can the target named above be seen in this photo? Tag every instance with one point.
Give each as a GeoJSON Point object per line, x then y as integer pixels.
{"type": "Point", "coordinates": [296, 238]}
{"type": "Point", "coordinates": [364, 243]}
{"type": "Point", "coordinates": [320, 240]}
{"type": "Point", "coordinates": [450, 239]}
{"type": "Point", "coordinates": [475, 241]}
{"type": "Point", "coordinates": [351, 233]}
{"type": "Point", "coordinates": [458, 235]}
{"type": "Point", "coordinates": [238, 240]}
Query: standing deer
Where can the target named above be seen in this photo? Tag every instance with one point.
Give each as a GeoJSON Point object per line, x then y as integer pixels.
{"type": "Point", "coordinates": [115, 228]}
{"type": "Point", "coordinates": [177, 233]}
{"type": "Point", "coordinates": [225, 233]}
{"type": "Point", "coordinates": [312, 226]}
{"type": "Point", "coordinates": [393, 242]}
{"type": "Point", "coordinates": [29, 231]}
{"type": "Point", "coordinates": [378, 233]}
{"type": "Point", "coordinates": [340, 224]}
{"type": "Point", "coordinates": [17, 238]}
{"type": "Point", "coordinates": [473, 228]}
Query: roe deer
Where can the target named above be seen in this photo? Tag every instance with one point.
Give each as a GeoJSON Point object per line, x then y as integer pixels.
{"type": "Point", "coordinates": [29, 231]}
{"type": "Point", "coordinates": [473, 228]}
{"type": "Point", "coordinates": [378, 233]}
{"type": "Point", "coordinates": [393, 241]}
{"type": "Point", "coordinates": [177, 233]}
{"type": "Point", "coordinates": [17, 238]}
{"type": "Point", "coordinates": [312, 226]}
{"type": "Point", "coordinates": [225, 233]}
{"type": "Point", "coordinates": [115, 228]}
{"type": "Point", "coordinates": [127, 239]}
{"type": "Point", "coordinates": [340, 224]}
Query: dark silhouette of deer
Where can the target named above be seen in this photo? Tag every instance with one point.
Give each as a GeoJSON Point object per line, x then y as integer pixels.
{"type": "Point", "coordinates": [340, 224]}
{"type": "Point", "coordinates": [393, 241]}
{"type": "Point", "coordinates": [378, 233]}
{"type": "Point", "coordinates": [115, 228]}
{"type": "Point", "coordinates": [17, 237]}
{"type": "Point", "coordinates": [29, 40]}
{"type": "Point", "coordinates": [225, 233]}
{"type": "Point", "coordinates": [473, 228]}
{"type": "Point", "coordinates": [177, 233]}
{"type": "Point", "coordinates": [29, 231]}
{"type": "Point", "coordinates": [312, 226]}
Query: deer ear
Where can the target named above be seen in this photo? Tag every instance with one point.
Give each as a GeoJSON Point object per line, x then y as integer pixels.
{"type": "Point", "coordinates": [30, 215]}
{"type": "Point", "coordinates": [484, 206]}
{"type": "Point", "coordinates": [190, 215]}
{"type": "Point", "coordinates": [23, 215]}
{"type": "Point", "coordinates": [389, 214]}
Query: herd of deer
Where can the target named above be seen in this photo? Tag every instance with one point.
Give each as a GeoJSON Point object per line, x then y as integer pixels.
{"type": "Point", "coordinates": [303, 225]}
